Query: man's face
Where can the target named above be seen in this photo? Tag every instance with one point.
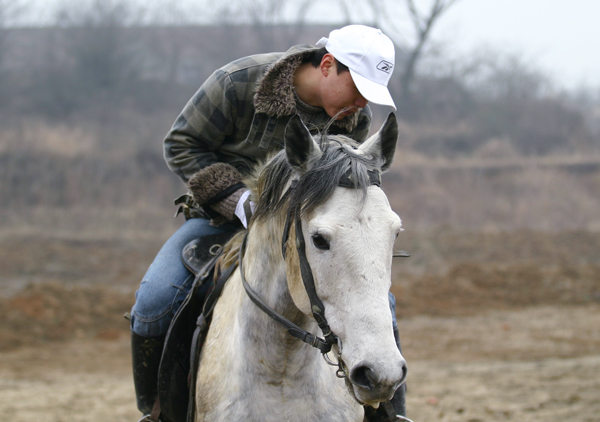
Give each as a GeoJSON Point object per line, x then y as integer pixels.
{"type": "Point", "coordinates": [338, 92]}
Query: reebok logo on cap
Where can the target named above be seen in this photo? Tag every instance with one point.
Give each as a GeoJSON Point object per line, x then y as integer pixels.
{"type": "Point", "coordinates": [385, 66]}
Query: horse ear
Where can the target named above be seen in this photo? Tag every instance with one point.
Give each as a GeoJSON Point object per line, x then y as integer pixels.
{"type": "Point", "coordinates": [383, 143]}
{"type": "Point", "coordinates": [300, 147]}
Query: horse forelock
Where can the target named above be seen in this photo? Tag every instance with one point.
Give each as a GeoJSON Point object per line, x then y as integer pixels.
{"type": "Point", "coordinates": [340, 157]}
{"type": "Point", "coordinates": [314, 187]}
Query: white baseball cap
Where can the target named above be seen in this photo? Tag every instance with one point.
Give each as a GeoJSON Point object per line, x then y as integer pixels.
{"type": "Point", "coordinates": [370, 56]}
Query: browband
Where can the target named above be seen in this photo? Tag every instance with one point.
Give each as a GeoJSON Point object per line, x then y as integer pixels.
{"type": "Point", "coordinates": [347, 181]}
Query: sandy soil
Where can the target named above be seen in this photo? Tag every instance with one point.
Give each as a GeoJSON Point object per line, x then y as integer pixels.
{"type": "Point", "coordinates": [535, 364]}
{"type": "Point", "coordinates": [492, 337]}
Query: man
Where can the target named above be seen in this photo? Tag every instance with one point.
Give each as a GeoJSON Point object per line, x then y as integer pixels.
{"type": "Point", "coordinates": [238, 117]}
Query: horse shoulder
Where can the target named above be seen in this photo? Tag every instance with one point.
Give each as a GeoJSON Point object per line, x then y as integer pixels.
{"type": "Point", "coordinates": [217, 381]}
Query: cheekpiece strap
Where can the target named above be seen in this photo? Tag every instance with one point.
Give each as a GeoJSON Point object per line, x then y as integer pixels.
{"type": "Point", "coordinates": [322, 344]}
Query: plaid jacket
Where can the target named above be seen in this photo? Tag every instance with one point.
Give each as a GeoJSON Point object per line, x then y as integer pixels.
{"type": "Point", "coordinates": [239, 115]}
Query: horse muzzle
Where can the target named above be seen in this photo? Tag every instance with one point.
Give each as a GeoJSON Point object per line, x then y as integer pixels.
{"type": "Point", "coordinates": [371, 384]}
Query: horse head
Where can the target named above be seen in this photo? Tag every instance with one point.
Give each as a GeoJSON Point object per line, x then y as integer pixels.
{"type": "Point", "coordinates": [348, 230]}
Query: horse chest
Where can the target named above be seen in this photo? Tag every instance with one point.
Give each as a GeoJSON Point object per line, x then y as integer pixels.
{"type": "Point", "coordinates": [315, 394]}
{"type": "Point", "coordinates": [266, 404]}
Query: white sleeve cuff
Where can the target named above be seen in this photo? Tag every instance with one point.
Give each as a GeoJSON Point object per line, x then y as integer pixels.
{"type": "Point", "coordinates": [244, 211]}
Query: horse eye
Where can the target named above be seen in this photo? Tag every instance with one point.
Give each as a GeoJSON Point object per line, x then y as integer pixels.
{"type": "Point", "coordinates": [320, 242]}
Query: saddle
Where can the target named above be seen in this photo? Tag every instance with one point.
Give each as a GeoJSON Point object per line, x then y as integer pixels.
{"type": "Point", "coordinates": [188, 329]}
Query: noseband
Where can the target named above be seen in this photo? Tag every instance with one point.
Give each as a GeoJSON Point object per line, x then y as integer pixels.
{"type": "Point", "coordinates": [317, 307]}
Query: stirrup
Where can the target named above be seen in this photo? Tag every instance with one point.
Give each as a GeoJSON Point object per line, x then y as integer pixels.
{"type": "Point", "coordinates": [400, 418]}
{"type": "Point", "coordinates": [146, 418]}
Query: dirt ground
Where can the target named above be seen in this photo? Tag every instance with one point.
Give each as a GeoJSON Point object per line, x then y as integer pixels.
{"type": "Point", "coordinates": [491, 339]}
{"type": "Point", "coordinates": [536, 364]}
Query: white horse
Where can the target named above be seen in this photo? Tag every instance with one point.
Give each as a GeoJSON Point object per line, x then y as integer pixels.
{"type": "Point", "coordinates": [251, 368]}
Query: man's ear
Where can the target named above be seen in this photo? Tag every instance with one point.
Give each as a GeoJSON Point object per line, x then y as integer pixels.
{"type": "Point", "coordinates": [327, 64]}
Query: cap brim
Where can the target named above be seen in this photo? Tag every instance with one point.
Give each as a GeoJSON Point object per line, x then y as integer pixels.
{"type": "Point", "coordinates": [372, 91]}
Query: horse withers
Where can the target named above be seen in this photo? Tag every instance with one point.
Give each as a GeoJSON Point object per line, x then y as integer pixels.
{"type": "Point", "coordinates": [320, 198]}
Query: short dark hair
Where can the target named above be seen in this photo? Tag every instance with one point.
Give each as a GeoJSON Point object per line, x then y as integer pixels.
{"type": "Point", "coordinates": [316, 58]}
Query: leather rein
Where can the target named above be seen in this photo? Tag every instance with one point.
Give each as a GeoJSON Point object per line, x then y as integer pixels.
{"type": "Point", "coordinates": [317, 307]}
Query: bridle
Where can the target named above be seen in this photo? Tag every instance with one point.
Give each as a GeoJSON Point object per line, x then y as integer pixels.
{"type": "Point", "coordinates": [317, 307]}
{"type": "Point", "coordinates": [324, 344]}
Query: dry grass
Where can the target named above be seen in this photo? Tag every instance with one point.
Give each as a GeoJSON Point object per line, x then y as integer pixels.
{"type": "Point", "coordinates": [74, 178]}
{"type": "Point", "coordinates": [548, 195]}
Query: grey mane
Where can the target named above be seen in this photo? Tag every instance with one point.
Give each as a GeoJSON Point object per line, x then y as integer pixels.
{"type": "Point", "coordinates": [315, 186]}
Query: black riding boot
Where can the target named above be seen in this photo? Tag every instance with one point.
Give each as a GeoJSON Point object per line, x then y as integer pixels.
{"type": "Point", "coordinates": [145, 358]}
{"type": "Point", "coordinates": [387, 411]}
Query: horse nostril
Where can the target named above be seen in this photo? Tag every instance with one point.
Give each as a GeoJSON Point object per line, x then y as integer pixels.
{"type": "Point", "coordinates": [363, 376]}
{"type": "Point", "coordinates": [404, 374]}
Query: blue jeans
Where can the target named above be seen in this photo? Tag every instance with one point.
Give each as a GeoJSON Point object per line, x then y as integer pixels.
{"type": "Point", "coordinates": [167, 281]}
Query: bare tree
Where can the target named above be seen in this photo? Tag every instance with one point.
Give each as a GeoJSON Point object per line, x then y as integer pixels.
{"type": "Point", "coordinates": [277, 23]}
{"type": "Point", "coordinates": [103, 55]}
{"type": "Point", "coordinates": [9, 11]}
{"type": "Point", "coordinates": [264, 12]}
{"type": "Point", "coordinates": [422, 23]}
{"type": "Point", "coordinates": [394, 17]}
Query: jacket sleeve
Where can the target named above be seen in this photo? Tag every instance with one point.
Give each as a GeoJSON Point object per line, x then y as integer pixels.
{"type": "Point", "coordinates": [198, 132]}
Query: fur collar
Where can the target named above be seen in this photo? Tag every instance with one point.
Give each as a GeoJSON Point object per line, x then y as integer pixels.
{"type": "Point", "coordinates": [275, 94]}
